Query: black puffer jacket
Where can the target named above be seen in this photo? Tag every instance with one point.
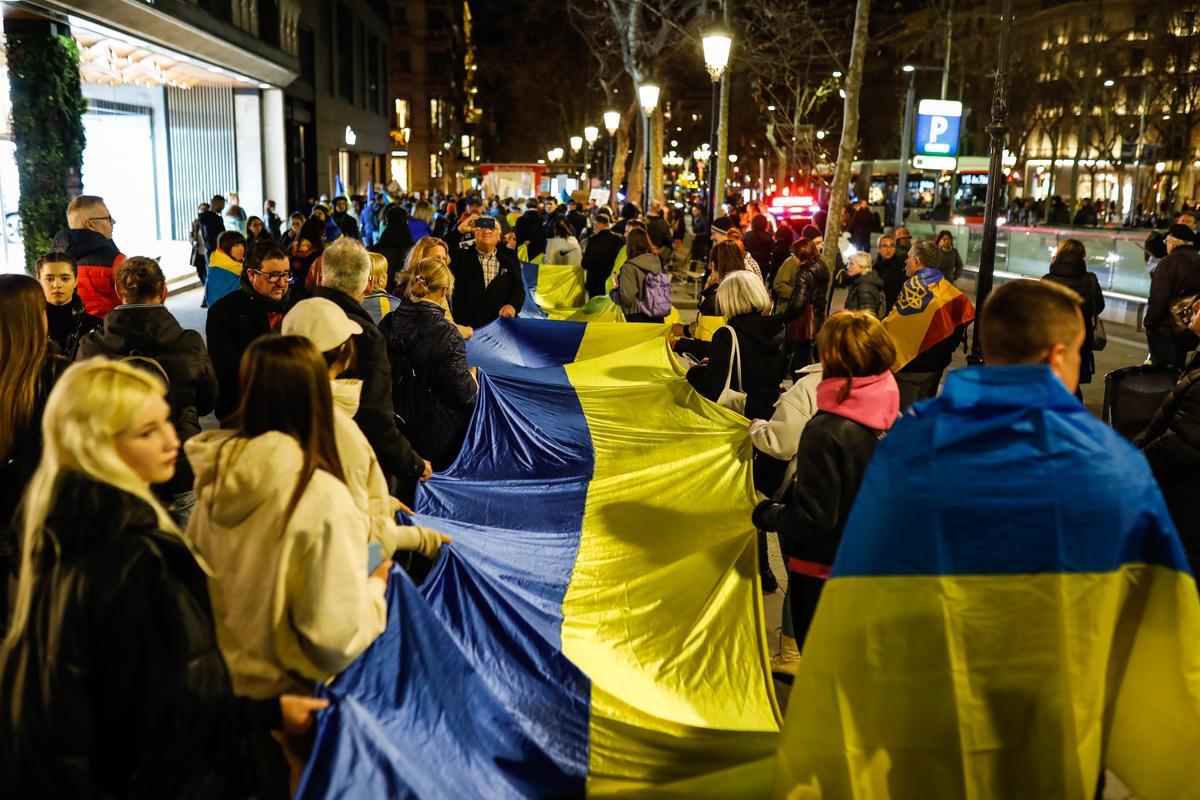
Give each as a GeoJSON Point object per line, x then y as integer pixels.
{"type": "Point", "coordinates": [116, 687]}
{"type": "Point", "coordinates": [152, 331]}
{"type": "Point", "coordinates": [425, 348]}
{"type": "Point", "coordinates": [1070, 271]}
{"type": "Point", "coordinates": [1171, 444]}
{"type": "Point", "coordinates": [376, 416]}
{"type": "Point", "coordinates": [866, 294]}
{"type": "Point", "coordinates": [830, 465]}
{"type": "Point", "coordinates": [69, 324]}
{"type": "Point", "coordinates": [234, 321]}
{"type": "Point", "coordinates": [759, 340]}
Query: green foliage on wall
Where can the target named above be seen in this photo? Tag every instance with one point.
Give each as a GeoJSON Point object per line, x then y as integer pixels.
{"type": "Point", "coordinates": [47, 115]}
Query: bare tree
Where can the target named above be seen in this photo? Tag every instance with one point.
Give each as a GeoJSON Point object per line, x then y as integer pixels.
{"type": "Point", "coordinates": [849, 143]}
{"type": "Point", "coordinates": [643, 36]}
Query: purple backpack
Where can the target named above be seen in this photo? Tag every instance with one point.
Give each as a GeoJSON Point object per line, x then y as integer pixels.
{"type": "Point", "coordinates": [655, 300]}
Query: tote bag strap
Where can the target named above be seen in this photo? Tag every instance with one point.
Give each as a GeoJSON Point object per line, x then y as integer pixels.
{"type": "Point", "coordinates": [734, 358]}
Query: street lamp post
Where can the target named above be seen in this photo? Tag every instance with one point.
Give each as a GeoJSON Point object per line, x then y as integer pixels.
{"type": "Point", "coordinates": [997, 187]}
{"type": "Point", "coordinates": [612, 121]}
{"type": "Point", "coordinates": [717, 43]}
{"type": "Point", "coordinates": [906, 136]}
{"type": "Point", "coordinates": [590, 134]}
{"type": "Point", "coordinates": [648, 99]}
{"type": "Point", "coordinates": [905, 144]}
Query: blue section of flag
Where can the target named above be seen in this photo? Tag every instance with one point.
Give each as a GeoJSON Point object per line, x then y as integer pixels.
{"type": "Point", "coordinates": [339, 189]}
{"type": "Point", "coordinates": [529, 276]}
{"type": "Point", "coordinates": [997, 526]}
{"type": "Point", "coordinates": [467, 693]}
{"type": "Point", "coordinates": [503, 345]}
{"type": "Point", "coordinates": [414, 717]}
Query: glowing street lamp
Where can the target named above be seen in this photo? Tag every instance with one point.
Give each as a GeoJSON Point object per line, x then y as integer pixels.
{"type": "Point", "coordinates": [648, 99]}
{"type": "Point", "coordinates": [590, 134]}
{"type": "Point", "coordinates": [612, 121]}
{"type": "Point", "coordinates": [717, 43]}
{"type": "Point", "coordinates": [576, 143]}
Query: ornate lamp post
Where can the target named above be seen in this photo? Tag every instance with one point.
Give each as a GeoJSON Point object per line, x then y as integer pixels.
{"type": "Point", "coordinates": [997, 187]}
{"type": "Point", "coordinates": [590, 134]}
{"type": "Point", "coordinates": [612, 121]}
{"type": "Point", "coordinates": [648, 99]}
{"type": "Point", "coordinates": [717, 42]}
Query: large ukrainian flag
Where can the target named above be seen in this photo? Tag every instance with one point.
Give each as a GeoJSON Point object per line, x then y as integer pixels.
{"type": "Point", "coordinates": [928, 310]}
{"type": "Point", "coordinates": [596, 625]}
{"type": "Point", "coordinates": [996, 625]}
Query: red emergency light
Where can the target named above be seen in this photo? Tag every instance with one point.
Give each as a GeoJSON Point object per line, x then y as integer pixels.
{"type": "Point", "coordinates": [784, 201]}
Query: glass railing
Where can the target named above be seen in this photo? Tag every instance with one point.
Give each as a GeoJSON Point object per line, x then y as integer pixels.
{"type": "Point", "coordinates": [1115, 256]}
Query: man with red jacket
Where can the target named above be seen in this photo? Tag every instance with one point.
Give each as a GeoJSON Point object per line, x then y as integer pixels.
{"type": "Point", "coordinates": [88, 239]}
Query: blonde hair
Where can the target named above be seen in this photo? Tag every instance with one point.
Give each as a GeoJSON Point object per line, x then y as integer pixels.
{"type": "Point", "coordinates": [427, 276]}
{"type": "Point", "coordinates": [742, 292]}
{"type": "Point", "coordinates": [91, 404]}
{"type": "Point", "coordinates": [863, 260]}
{"type": "Point", "coordinates": [423, 211]}
{"type": "Point", "coordinates": [82, 209]}
{"type": "Point", "coordinates": [379, 270]}
{"type": "Point", "coordinates": [419, 252]}
{"type": "Point", "coordinates": [853, 344]}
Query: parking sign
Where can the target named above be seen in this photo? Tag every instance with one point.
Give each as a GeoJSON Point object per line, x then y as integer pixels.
{"type": "Point", "coordinates": [937, 127]}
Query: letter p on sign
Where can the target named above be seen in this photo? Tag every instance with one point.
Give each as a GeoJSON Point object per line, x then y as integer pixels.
{"type": "Point", "coordinates": [937, 126]}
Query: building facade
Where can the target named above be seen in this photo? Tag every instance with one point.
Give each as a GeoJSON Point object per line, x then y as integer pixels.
{"type": "Point", "coordinates": [252, 99]}
{"type": "Point", "coordinates": [432, 85]}
{"type": "Point", "coordinates": [338, 110]}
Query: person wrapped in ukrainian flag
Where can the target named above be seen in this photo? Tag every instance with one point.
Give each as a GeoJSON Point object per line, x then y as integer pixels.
{"type": "Point", "coordinates": [1010, 613]}
{"type": "Point", "coordinates": [927, 324]}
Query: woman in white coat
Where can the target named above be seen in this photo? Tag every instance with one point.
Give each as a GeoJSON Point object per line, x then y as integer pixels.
{"type": "Point", "coordinates": [285, 538]}
{"type": "Point", "coordinates": [332, 332]}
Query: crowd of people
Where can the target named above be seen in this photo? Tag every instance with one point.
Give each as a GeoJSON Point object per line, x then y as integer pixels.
{"type": "Point", "coordinates": [181, 586]}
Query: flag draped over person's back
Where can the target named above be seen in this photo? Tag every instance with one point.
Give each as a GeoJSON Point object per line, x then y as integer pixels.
{"type": "Point", "coordinates": [1010, 613]}
{"type": "Point", "coordinates": [928, 310]}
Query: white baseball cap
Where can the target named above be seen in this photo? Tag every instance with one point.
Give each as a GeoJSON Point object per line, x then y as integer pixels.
{"type": "Point", "coordinates": [320, 321]}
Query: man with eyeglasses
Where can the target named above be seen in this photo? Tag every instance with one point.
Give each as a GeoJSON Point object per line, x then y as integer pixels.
{"type": "Point", "coordinates": [240, 317]}
{"type": "Point", "coordinates": [88, 240]}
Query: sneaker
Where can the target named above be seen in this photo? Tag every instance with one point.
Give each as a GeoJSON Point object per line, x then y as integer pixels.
{"type": "Point", "coordinates": [786, 662]}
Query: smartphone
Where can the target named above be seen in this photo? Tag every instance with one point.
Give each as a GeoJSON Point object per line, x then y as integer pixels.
{"type": "Point", "coordinates": [374, 556]}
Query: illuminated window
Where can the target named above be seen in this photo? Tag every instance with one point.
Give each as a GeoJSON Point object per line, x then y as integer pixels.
{"type": "Point", "coordinates": [435, 165]}
{"type": "Point", "coordinates": [436, 113]}
{"type": "Point", "coordinates": [401, 113]}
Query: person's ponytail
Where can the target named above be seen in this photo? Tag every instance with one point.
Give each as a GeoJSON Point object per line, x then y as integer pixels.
{"type": "Point", "coordinates": [429, 276]}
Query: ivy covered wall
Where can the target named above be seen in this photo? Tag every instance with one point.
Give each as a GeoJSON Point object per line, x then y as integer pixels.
{"type": "Point", "coordinates": [47, 115]}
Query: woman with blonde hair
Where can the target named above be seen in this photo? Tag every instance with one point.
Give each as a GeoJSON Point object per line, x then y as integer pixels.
{"type": "Point", "coordinates": [111, 627]}
{"type": "Point", "coordinates": [429, 247]}
{"type": "Point", "coordinates": [434, 391]}
{"type": "Point", "coordinates": [420, 222]}
{"type": "Point", "coordinates": [29, 367]}
{"type": "Point", "coordinates": [857, 402]}
{"type": "Point", "coordinates": [378, 301]}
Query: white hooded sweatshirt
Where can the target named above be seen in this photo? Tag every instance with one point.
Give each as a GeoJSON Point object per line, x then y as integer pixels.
{"type": "Point", "coordinates": [292, 606]}
{"type": "Point", "coordinates": [365, 478]}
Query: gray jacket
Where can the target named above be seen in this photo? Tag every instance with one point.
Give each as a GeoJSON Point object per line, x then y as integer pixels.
{"type": "Point", "coordinates": [632, 277]}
